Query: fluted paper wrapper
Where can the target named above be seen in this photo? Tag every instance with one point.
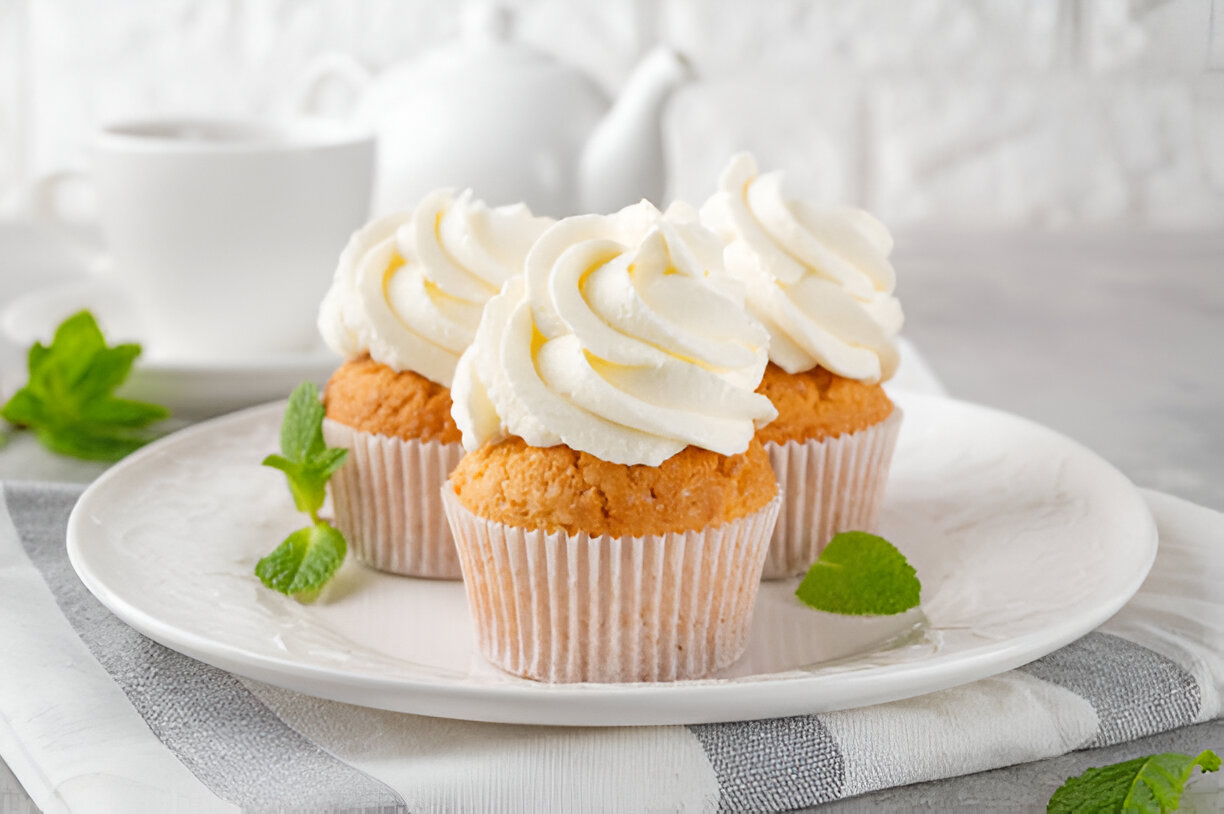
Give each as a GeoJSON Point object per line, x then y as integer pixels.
{"type": "Point", "coordinates": [569, 608]}
{"type": "Point", "coordinates": [387, 505]}
{"type": "Point", "coordinates": [830, 486]}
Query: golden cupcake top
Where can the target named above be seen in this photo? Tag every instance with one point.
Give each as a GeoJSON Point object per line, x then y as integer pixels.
{"type": "Point", "coordinates": [623, 339]}
{"type": "Point", "coordinates": [559, 488]}
{"type": "Point", "coordinates": [818, 278]}
{"type": "Point", "coordinates": [817, 404]}
{"type": "Point", "coordinates": [373, 398]}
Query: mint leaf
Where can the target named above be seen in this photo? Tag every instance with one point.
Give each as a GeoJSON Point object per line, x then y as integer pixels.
{"type": "Point", "coordinates": [123, 412]}
{"type": "Point", "coordinates": [308, 492]}
{"type": "Point", "coordinates": [307, 461]}
{"type": "Point", "coordinates": [37, 354]}
{"type": "Point", "coordinates": [302, 430]}
{"type": "Point", "coordinates": [325, 464]}
{"type": "Point", "coordinates": [69, 402]}
{"type": "Point", "coordinates": [108, 369]}
{"type": "Point", "coordinates": [860, 574]}
{"type": "Point", "coordinates": [1145, 784]}
{"type": "Point", "coordinates": [92, 446]}
{"type": "Point", "coordinates": [25, 409]}
{"type": "Point", "coordinates": [304, 562]}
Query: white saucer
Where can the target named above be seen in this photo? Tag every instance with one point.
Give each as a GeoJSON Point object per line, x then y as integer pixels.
{"type": "Point", "coordinates": [191, 388]}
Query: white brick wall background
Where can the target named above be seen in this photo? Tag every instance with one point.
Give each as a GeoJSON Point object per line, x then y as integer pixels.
{"type": "Point", "coordinates": [1018, 113]}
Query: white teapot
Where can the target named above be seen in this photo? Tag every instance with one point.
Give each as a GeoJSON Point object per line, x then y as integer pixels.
{"type": "Point", "coordinates": [489, 113]}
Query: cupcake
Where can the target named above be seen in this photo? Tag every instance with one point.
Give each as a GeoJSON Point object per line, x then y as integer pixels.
{"type": "Point", "coordinates": [403, 306]}
{"type": "Point", "coordinates": [821, 283]}
{"type": "Point", "coordinates": [613, 511]}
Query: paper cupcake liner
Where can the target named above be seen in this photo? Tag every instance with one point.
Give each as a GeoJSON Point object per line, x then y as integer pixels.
{"type": "Point", "coordinates": [830, 486]}
{"type": "Point", "coordinates": [386, 501]}
{"type": "Point", "coordinates": [567, 608]}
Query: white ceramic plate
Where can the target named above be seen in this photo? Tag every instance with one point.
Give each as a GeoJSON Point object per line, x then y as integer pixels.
{"type": "Point", "coordinates": [1023, 541]}
{"type": "Point", "coordinates": [191, 388]}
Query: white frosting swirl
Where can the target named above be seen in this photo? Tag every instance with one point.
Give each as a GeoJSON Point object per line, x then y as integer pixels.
{"type": "Point", "coordinates": [624, 339]}
{"type": "Point", "coordinates": [819, 279]}
{"type": "Point", "coordinates": [410, 287]}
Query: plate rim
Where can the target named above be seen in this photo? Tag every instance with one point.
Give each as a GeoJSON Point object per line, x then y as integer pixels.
{"type": "Point", "coordinates": [689, 702]}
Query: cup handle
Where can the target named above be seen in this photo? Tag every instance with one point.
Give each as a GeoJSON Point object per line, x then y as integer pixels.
{"type": "Point", "coordinates": [334, 69]}
{"type": "Point", "coordinates": [46, 206]}
{"type": "Point", "coordinates": [45, 197]}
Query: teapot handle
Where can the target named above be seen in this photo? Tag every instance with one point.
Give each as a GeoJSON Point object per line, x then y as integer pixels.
{"type": "Point", "coordinates": [310, 95]}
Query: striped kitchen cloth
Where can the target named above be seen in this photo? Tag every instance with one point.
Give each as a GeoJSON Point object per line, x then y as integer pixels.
{"type": "Point", "coordinates": [95, 717]}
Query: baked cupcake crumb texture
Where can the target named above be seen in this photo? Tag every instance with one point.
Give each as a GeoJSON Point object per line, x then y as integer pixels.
{"type": "Point", "coordinates": [371, 397]}
{"type": "Point", "coordinates": [817, 404]}
{"type": "Point", "coordinates": [558, 488]}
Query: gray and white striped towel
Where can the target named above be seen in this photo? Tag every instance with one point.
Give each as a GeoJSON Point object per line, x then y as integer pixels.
{"type": "Point", "coordinates": [94, 717]}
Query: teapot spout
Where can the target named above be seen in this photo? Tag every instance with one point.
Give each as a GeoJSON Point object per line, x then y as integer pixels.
{"type": "Point", "coordinates": [623, 160]}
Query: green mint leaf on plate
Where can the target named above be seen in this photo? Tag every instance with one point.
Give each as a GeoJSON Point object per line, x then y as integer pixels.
{"type": "Point", "coordinates": [860, 574]}
{"type": "Point", "coordinates": [305, 458]}
{"type": "Point", "coordinates": [304, 562]}
{"type": "Point", "coordinates": [301, 433]}
{"type": "Point", "coordinates": [1145, 784]}
{"type": "Point", "coordinates": [308, 558]}
{"type": "Point", "coordinates": [69, 402]}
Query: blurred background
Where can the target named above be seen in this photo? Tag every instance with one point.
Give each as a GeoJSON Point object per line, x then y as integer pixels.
{"type": "Point", "coordinates": [1006, 113]}
{"type": "Point", "coordinates": [1053, 171]}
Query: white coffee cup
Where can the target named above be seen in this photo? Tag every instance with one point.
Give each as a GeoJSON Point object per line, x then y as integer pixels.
{"type": "Point", "coordinates": [226, 232]}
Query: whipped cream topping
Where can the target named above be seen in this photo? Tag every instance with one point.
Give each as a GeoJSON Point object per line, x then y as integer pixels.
{"type": "Point", "coordinates": [410, 287]}
{"type": "Point", "coordinates": [818, 278]}
{"type": "Point", "coordinates": [624, 339]}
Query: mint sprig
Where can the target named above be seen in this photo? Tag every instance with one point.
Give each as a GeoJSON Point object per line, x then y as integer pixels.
{"type": "Point", "coordinates": [1146, 784]}
{"type": "Point", "coordinates": [860, 574]}
{"type": "Point", "coordinates": [307, 461]}
{"type": "Point", "coordinates": [69, 402]}
{"type": "Point", "coordinates": [310, 556]}
{"type": "Point", "coordinates": [304, 562]}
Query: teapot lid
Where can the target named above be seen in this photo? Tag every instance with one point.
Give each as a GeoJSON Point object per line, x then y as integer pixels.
{"type": "Point", "coordinates": [488, 21]}
{"type": "Point", "coordinates": [484, 111]}
{"type": "Point", "coordinates": [488, 65]}
{"type": "Point", "coordinates": [487, 43]}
